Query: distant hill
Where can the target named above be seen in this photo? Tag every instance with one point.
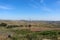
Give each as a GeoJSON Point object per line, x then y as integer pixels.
{"type": "Point", "coordinates": [33, 22]}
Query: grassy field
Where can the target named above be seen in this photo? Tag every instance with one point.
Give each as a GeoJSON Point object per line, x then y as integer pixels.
{"type": "Point", "coordinates": [26, 30]}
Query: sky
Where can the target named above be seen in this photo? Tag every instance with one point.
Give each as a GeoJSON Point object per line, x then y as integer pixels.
{"type": "Point", "coordinates": [30, 9]}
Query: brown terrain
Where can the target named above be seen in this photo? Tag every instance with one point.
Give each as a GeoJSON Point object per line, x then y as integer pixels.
{"type": "Point", "coordinates": [35, 25]}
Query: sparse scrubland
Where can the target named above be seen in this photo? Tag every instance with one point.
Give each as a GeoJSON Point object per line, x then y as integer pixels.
{"type": "Point", "coordinates": [29, 30]}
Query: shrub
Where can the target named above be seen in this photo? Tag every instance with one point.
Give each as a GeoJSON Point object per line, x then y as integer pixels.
{"type": "Point", "coordinates": [21, 25]}
{"type": "Point", "coordinates": [3, 24]}
{"type": "Point", "coordinates": [11, 26]}
{"type": "Point", "coordinates": [51, 33]}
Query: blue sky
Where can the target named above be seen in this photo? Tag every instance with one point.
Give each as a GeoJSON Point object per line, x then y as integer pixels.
{"type": "Point", "coordinates": [30, 9]}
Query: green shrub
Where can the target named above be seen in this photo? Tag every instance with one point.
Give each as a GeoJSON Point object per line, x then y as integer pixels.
{"type": "Point", "coordinates": [21, 25]}
{"type": "Point", "coordinates": [3, 24]}
{"type": "Point", "coordinates": [12, 26]}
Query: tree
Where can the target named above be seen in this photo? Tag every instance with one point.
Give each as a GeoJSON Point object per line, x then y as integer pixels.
{"type": "Point", "coordinates": [29, 26]}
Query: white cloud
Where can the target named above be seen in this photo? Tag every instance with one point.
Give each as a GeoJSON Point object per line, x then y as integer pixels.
{"type": "Point", "coordinates": [46, 9]}
{"type": "Point", "coordinates": [41, 1]}
{"type": "Point", "coordinates": [34, 4]}
{"type": "Point", "coordinates": [5, 7]}
{"type": "Point", "coordinates": [40, 5]}
{"type": "Point", "coordinates": [58, 2]}
{"type": "Point", "coordinates": [37, 4]}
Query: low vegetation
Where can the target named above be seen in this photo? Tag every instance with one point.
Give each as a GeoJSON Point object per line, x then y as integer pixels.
{"type": "Point", "coordinates": [24, 31]}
